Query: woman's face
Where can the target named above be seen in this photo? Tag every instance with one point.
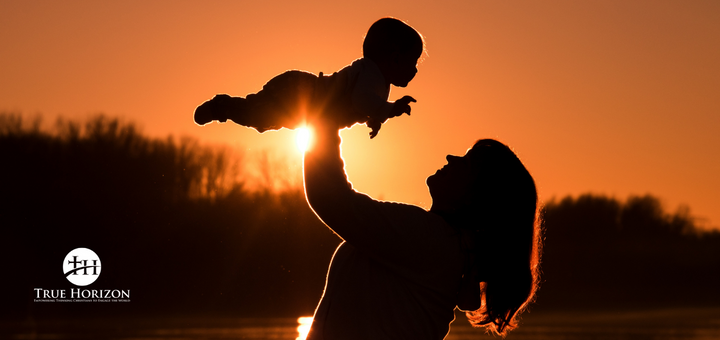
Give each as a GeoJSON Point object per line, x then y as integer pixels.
{"type": "Point", "coordinates": [449, 186]}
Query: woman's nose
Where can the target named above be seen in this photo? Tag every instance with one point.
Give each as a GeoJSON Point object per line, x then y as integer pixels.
{"type": "Point", "coordinates": [452, 158]}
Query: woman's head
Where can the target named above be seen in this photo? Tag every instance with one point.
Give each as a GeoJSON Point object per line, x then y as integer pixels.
{"type": "Point", "coordinates": [490, 193]}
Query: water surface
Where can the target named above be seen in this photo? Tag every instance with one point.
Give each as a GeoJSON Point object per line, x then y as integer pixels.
{"type": "Point", "coordinates": [668, 324]}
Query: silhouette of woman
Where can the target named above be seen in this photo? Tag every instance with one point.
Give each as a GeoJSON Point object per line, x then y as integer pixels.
{"type": "Point", "coordinates": [401, 270]}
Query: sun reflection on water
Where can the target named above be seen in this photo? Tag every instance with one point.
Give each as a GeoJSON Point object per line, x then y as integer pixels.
{"type": "Point", "coordinates": [304, 323]}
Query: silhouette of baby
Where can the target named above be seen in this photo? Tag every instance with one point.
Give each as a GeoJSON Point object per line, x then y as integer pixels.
{"type": "Point", "coordinates": [358, 93]}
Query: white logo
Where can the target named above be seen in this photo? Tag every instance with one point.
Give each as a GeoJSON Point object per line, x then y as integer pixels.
{"type": "Point", "coordinates": [81, 266]}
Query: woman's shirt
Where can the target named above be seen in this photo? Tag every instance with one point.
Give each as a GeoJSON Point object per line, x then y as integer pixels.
{"type": "Point", "coordinates": [396, 274]}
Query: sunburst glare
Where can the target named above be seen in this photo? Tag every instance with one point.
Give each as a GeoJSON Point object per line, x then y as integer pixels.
{"type": "Point", "coordinates": [302, 139]}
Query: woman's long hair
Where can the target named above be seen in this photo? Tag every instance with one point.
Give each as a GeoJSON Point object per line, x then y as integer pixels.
{"type": "Point", "coordinates": [503, 222]}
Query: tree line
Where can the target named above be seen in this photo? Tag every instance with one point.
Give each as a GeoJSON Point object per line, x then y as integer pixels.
{"type": "Point", "coordinates": [174, 222]}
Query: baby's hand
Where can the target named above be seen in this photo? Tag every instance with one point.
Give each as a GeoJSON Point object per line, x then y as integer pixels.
{"type": "Point", "coordinates": [401, 106]}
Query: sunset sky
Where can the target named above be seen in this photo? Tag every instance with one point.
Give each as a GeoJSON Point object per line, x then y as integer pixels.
{"type": "Point", "coordinates": [609, 97]}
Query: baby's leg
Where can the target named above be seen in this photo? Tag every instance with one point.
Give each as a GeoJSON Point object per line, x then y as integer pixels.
{"type": "Point", "coordinates": [286, 101]}
{"type": "Point", "coordinates": [221, 108]}
{"type": "Point", "coordinates": [261, 111]}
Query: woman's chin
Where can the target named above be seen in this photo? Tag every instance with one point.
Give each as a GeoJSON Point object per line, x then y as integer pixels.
{"type": "Point", "coordinates": [430, 178]}
{"type": "Point", "coordinates": [431, 182]}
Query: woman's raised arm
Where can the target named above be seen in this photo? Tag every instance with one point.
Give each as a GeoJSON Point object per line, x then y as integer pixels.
{"type": "Point", "coordinates": [326, 186]}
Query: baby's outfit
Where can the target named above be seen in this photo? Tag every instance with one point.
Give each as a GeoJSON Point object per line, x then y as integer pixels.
{"type": "Point", "coordinates": [358, 93]}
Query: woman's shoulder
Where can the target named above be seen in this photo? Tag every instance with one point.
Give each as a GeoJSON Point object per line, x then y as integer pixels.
{"type": "Point", "coordinates": [424, 241]}
{"type": "Point", "coordinates": [416, 220]}
{"type": "Point", "coordinates": [404, 209]}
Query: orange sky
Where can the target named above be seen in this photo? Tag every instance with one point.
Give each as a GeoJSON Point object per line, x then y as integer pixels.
{"type": "Point", "coordinates": [611, 97]}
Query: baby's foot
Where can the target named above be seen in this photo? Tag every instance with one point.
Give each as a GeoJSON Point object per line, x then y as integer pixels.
{"type": "Point", "coordinates": [203, 113]}
{"type": "Point", "coordinates": [210, 110]}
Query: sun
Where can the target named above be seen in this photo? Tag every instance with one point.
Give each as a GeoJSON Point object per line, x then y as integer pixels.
{"type": "Point", "coordinates": [302, 139]}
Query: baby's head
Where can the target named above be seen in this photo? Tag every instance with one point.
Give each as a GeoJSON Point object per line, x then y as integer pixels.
{"type": "Point", "coordinates": [395, 47]}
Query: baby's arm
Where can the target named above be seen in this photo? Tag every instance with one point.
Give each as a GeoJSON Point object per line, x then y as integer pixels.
{"type": "Point", "coordinates": [372, 104]}
{"type": "Point", "coordinates": [399, 107]}
{"type": "Point", "coordinates": [371, 101]}
{"type": "Point", "coordinates": [370, 97]}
